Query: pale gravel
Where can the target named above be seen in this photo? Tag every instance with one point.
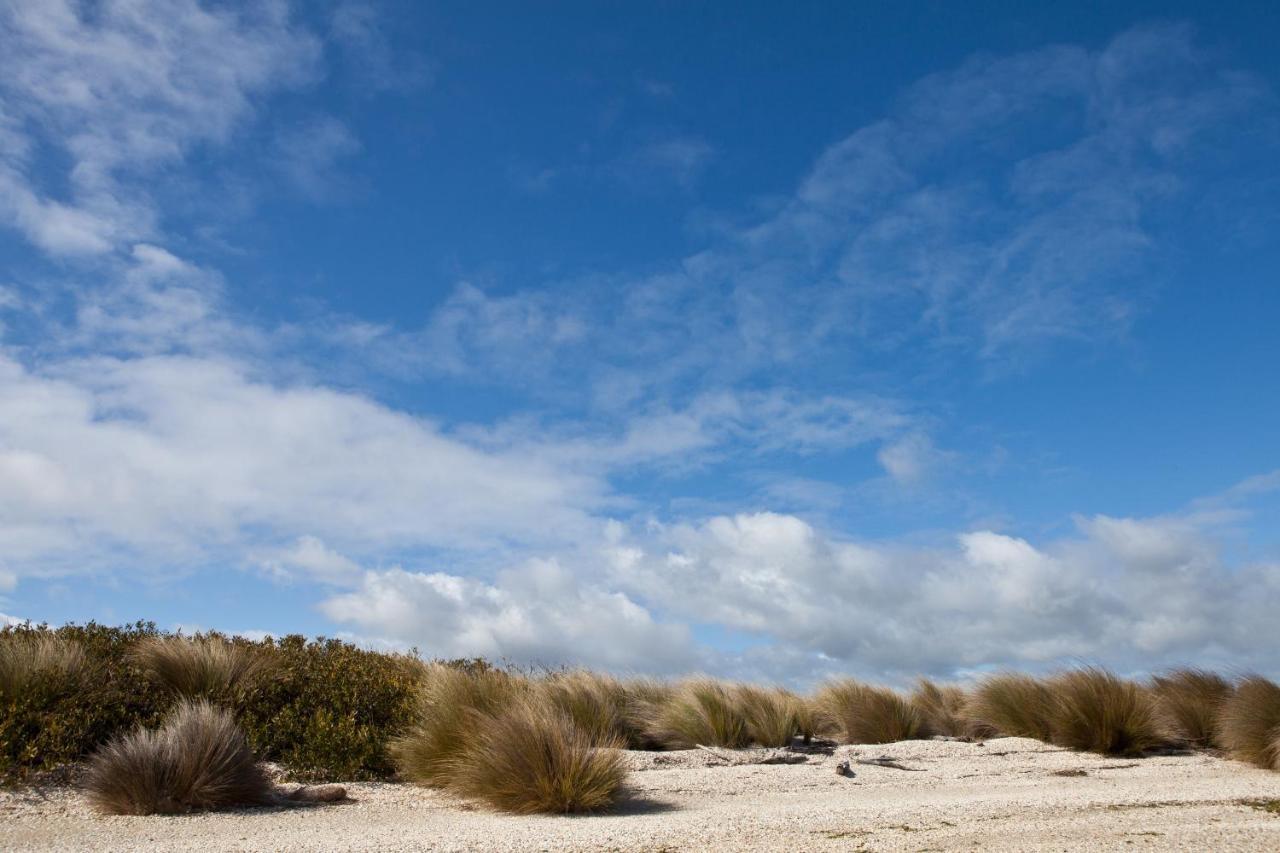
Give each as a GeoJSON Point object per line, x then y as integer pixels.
{"type": "Point", "coordinates": [998, 796]}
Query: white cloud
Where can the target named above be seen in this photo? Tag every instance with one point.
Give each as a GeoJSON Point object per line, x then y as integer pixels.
{"type": "Point", "coordinates": [912, 458]}
{"type": "Point", "coordinates": [538, 613]}
{"type": "Point", "coordinates": [311, 557]}
{"type": "Point", "coordinates": [121, 91]}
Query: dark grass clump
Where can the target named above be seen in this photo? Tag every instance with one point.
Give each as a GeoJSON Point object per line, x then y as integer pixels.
{"type": "Point", "coordinates": [38, 662]}
{"type": "Point", "coordinates": [1095, 711]}
{"type": "Point", "coordinates": [1012, 705]}
{"type": "Point", "coordinates": [942, 708]}
{"type": "Point", "coordinates": [211, 666]}
{"type": "Point", "coordinates": [699, 712]}
{"type": "Point", "coordinates": [528, 756]}
{"type": "Point", "coordinates": [451, 705]}
{"type": "Point", "coordinates": [1190, 700]}
{"type": "Point", "coordinates": [867, 714]}
{"type": "Point", "coordinates": [1249, 724]}
{"type": "Point", "coordinates": [197, 761]}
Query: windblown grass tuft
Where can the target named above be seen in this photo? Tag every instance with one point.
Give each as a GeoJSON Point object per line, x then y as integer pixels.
{"type": "Point", "coordinates": [1249, 725]}
{"type": "Point", "coordinates": [1190, 701]}
{"type": "Point", "coordinates": [210, 667]}
{"type": "Point", "coordinates": [38, 662]}
{"type": "Point", "coordinates": [867, 714]}
{"type": "Point", "coordinates": [774, 716]}
{"type": "Point", "coordinates": [1013, 705]}
{"type": "Point", "coordinates": [597, 704]}
{"type": "Point", "coordinates": [450, 706]}
{"type": "Point", "coordinates": [942, 708]}
{"type": "Point", "coordinates": [198, 760]}
{"type": "Point", "coordinates": [1096, 711]}
{"type": "Point", "coordinates": [528, 756]}
{"type": "Point", "coordinates": [699, 712]}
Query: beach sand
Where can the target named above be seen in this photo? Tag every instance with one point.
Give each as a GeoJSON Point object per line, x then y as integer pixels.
{"type": "Point", "coordinates": [1006, 794]}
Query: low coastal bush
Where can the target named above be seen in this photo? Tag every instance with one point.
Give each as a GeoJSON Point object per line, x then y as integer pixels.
{"type": "Point", "coordinates": [198, 760]}
{"type": "Point", "coordinates": [1249, 726]}
{"type": "Point", "coordinates": [1012, 704]}
{"type": "Point", "coordinates": [867, 714]}
{"type": "Point", "coordinates": [1095, 711]}
{"type": "Point", "coordinates": [529, 756]}
{"type": "Point", "coordinates": [1190, 700]}
{"type": "Point", "coordinates": [942, 708]}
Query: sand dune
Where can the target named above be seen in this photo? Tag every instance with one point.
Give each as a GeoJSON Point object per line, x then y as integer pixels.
{"type": "Point", "coordinates": [1007, 794]}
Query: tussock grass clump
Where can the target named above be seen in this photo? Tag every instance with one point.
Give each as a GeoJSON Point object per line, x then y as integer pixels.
{"type": "Point", "coordinates": [1096, 711]}
{"type": "Point", "coordinates": [1190, 701]}
{"type": "Point", "coordinates": [38, 662]}
{"type": "Point", "coordinates": [451, 705]}
{"type": "Point", "coordinates": [867, 714]}
{"type": "Point", "coordinates": [942, 708]}
{"type": "Point", "coordinates": [1249, 725]}
{"type": "Point", "coordinates": [774, 715]}
{"type": "Point", "coordinates": [699, 712]}
{"type": "Point", "coordinates": [198, 760]}
{"type": "Point", "coordinates": [597, 704]}
{"type": "Point", "coordinates": [1013, 705]}
{"type": "Point", "coordinates": [529, 756]}
{"type": "Point", "coordinates": [210, 667]}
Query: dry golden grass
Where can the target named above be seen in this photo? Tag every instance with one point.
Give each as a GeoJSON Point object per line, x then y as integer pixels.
{"type": "Point", "coordinates": [1249, 725]}
{"type": "Point", "coordinates": [597, 704]}
{"type": "Point", "coordinates": [529, 756]}
{"type": "Point", "coordinates": [699, 712]}
{"type": "Point", "coordinates": [208, 667]}
{"type": "Point", "coordinates": [774, 715]}
{"type": "Point", "coordinates": [1012, 704]}
{"type": "Point", "coordinates": [450, 704]}
{"type": "Point", "coordinates": [38, 662]}
{"type": "Point", "coordinates": [1190, 701]}
{"type": "Point", "coordinates": [942, 708]}
{"type": "Point", "coordinates": [866, 714]}
{"type": "Point", "coordinates": [198, 760]}
{"type": "Point", "coordinates": [1096, 711]}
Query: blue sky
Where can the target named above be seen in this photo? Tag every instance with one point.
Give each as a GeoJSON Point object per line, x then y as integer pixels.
{"type": "Point", "coordinates": [774, 342]}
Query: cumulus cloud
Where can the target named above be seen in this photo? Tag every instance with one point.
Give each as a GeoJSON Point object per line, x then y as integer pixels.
{"type": "Point", "coordinates": [1134, 593]}
{"type": "Point", "coordinates": [537, 613]}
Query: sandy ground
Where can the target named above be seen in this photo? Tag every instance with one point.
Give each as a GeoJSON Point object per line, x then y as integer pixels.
{"type": "Point", "coordinates": [1008, 794]}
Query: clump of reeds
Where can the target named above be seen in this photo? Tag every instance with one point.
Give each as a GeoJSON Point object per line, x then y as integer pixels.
{"type": "Point", "coordinates": [197, 760]}
{"type": "Point", "coordinates": [699, 712]}
{"type": "Point", "coordinates": [529, 756]}
{"type": "Point", "coordinates": [599, 705]}
{"type": "Point", "coordinates": [1013, 705]}
{"type": "Point", "coordinates": [450, 704]}
{"type": "Point", "coordinates": [209, 667]}
{"type": "Point", "coordinates": [38, 663]}
{"type": "Point", "coordinates": [1096, 711]}
{"type": "Point", "coordinates": [1249, 724]}
{"type": "Point", "coordinates": [867, 714]}
{"type": "Point", "coordinates": [774, 715]}
{"type": "Point", "coordinates": [1190, 701]}
{"type": "Point", "coordinates": [942, 708]}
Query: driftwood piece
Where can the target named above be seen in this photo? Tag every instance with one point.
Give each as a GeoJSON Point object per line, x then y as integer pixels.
{"type": "Point", "coordinates": [315, 794]}
{"type": "Point", "coordinates": [887, 761]}
{"type": "Point", "coordinates": [755, 756]}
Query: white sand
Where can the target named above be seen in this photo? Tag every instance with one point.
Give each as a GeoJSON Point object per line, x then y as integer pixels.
{"type": "Point", "coordinates": [999, 796]}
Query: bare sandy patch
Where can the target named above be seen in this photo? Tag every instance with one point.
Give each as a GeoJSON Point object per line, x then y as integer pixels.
{"type": "Point", "coordinates": [1006, 794]}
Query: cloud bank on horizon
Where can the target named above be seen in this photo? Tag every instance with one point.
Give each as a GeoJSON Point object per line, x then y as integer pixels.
{"type": "Point", "coordinates": [987, 380]}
